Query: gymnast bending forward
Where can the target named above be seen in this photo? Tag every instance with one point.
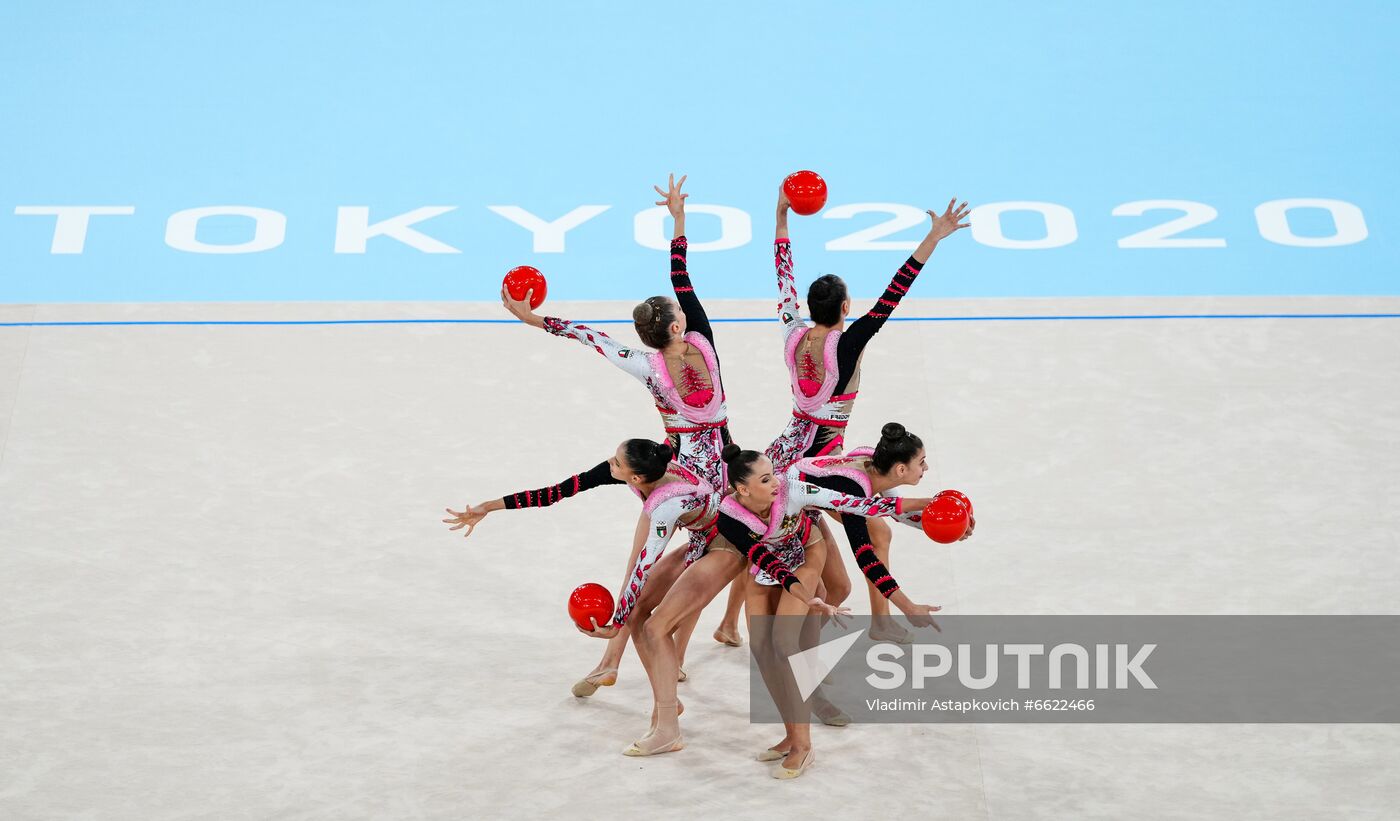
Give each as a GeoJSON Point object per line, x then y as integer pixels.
{"type": "Point", "coordinates": [681, 372]}
{"type": "Point", "coordinates": [673, 498]}
{"type": "Point", "coordinates": [823, 361]}
{"type": "Point", "coordinates": [766, 509]}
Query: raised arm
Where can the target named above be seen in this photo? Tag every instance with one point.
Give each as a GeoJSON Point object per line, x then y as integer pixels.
{"type": "Point", "coordinates": [789, 310]}
{"type": "Point", "coordinates": [695, 317]}
{"type": "Point", "coordinates": [860, 331]}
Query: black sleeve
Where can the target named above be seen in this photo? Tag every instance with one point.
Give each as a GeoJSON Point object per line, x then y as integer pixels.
{"type": "Point", "coordinates": [858, 534]}
{"type": "Point", "coordinates": [741, 537]}
{"type": "Point", "coordinates": [858, 333]}
{"type": "Point", "coordinates": [596, 476]}
{"type": "Point", "coordinates": [695, 318]}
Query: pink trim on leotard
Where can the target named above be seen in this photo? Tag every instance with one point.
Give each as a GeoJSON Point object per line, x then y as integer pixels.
{"type": "Point", "coordinates": [707, 411]}
{"type": "Point", "coordinates": [804, 402]}
{"type": "Point", "coordinates": [691, 485]}
{"type": "Point", "coordinates": [731, 506]}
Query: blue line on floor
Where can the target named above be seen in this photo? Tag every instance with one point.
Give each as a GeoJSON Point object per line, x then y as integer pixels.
{"type": "Point", "coordinates": [1066, 318]}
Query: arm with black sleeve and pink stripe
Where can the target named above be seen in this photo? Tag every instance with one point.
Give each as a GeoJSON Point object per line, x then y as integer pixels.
{"type": "Point", "coordinates": [596, 476]}
{"type": "Point", "coordinates": [858, 534]}
{"type": "Point", "coordinates": [755, 550]}
{"type": "Point", "coordinates": [695, 317]}
{"type": "Point", "coordinates": [861, 330]}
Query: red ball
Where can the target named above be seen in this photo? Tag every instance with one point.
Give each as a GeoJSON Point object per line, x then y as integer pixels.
{"type": "Point", "coordinates": [524, 279]}
{"type": "Point", "coordinates": [590, 599]}
{"type": "Point", "coordinates": [806, 191]}
{"type": "Point", "coordinates": [959, 495]}
{"type": "Point", "coordinates": [945, 519]}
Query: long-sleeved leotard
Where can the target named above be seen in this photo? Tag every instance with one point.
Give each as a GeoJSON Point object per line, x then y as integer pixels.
{"type": "Point", "coordinates": [778, 545]}
{"type": "Point", "coordinates": [824, 391]}
{"type": "Point", "coordinates": [686, 502]}
{"type": "Point", "coordinates": [596, 476]}
{"type": "Point", "coordinates": [693, 412]}
{"type": "Point", "coordinates": [846, 474]}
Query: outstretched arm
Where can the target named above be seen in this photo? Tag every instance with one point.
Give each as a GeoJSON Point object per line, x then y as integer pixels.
{"type": "Point", "coordinates": [858, 534]}
{"type": "Point", "coordinates": [596, 476]}
{"type": "Point", "coordinates": [695, 317]}
{"type": "Point", "coordinates": [807, 494]}
{"type": "Point", "coordinates": [628, 359]}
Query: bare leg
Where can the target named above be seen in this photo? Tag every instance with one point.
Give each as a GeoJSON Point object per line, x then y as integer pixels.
{"type": "Point", "coordinates": [659, 583]}
{"type": "Point", "coordinates": [655, 641]}
{"type": "Point", "coordinates": [604, 674]}
{"type": "Point", "coordinates": [728, 631]}
{"type": "Point", "coordinates": [682, 636]}
{"type": "Point", "coordinates": [834, 577]}
{"type": "Point", "coordinates": [784, 640]}
{"type": "Point", "coordinates": [881, 625]}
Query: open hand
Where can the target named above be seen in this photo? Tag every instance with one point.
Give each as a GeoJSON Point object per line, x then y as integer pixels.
{"type": "Point", "coordinates": [949, 221]}
{"type": "Point", "coordinates": [674, 199]}
{"type": "Point", "coordinates": [468, 518]}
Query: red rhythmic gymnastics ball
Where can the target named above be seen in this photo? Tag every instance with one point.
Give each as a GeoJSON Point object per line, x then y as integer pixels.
{"type": "Point", "coordinates": [957, 494]}
{"type": "Point", "coordinates": [945, 519]}
{"type": "Point", "coordinates": [525, 279]}
{"type": "Point", "coordinates": [806, 191]}
{"type": "Point", "coordinates": [590, 599]}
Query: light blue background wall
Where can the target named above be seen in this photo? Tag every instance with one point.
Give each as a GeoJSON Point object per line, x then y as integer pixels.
{"type": "Point", "coordinates": [302, 108]}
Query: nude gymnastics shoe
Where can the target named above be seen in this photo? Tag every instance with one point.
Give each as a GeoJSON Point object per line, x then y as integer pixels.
{"type": "Point", "coordinates": [835, 718]}
{"type": "Point", "coordinates": [589, 685]}
{"type": "Point", "coordinates": [731, 639]}
{"type": "Point", "coordinates": [636, 751]}
{"type": "Point", "coordinates": [896, 636]}
{"type": "Point", "coordinates": [772, 754]}
{"type": "Point", "coordinates": [785, 773]}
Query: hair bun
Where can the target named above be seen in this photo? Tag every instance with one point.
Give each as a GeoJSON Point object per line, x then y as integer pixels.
{"type": "Point", "coordinates": [643, 313]}
{"type": "Point", "coordinates": [892, 430]}
{"type": "Point", "coordinates": [731, 452]}
{"type": "Point", "coordinates": [663, 451]}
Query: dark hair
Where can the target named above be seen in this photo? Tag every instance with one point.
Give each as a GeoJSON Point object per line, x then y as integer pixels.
{"type": "Point", "coordinates": [739, 462]}
{"type": "Point", "coordinates": [653, 319]}
{"type": "Point", "coordinates": [647, 459]}
{"type": "Point", "coordinates": [896, 447]}
{"type": "Point", "coordinates": [824, 298]}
